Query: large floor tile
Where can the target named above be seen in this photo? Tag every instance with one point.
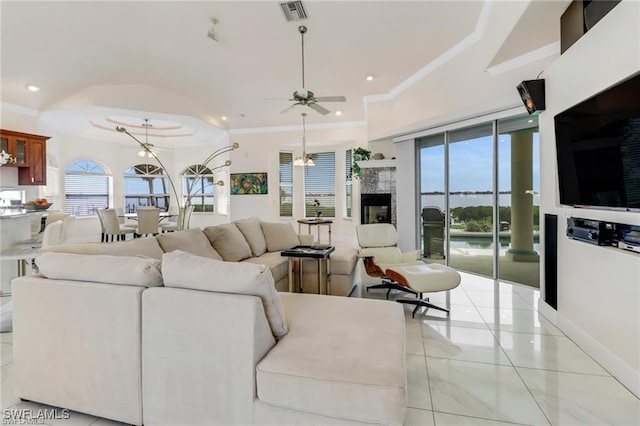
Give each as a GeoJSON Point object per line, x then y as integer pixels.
{"type": "Point", "coordinates": [417, 417]}
{"type": "Point", "coordinates": [418, 395]}
{"type": "Point", "coordinates": [500, 300]}
{"type": "Point", "coordinates": [547, 352]}
{"type": "Point", "coordinates": [413, 339]}
{"type": "Point", "coordinates": [7, 397]}
{"type": "Point", "coordinates": [468, 344]}
{"type": "Point", "coordinates": [64, 417]}
{"type": "Point", "coordinates": [458, 316]}
{"type": "Point", "coordinates": [457, 296]}
{"type": "Point", "coordinates": [444, 419]}
{"type": "Point", "coordinates": [579, 399]}
{"type": "Point", "coordinates": [21, 412]}
{"type": "Point", "coordinates": [517, 320]}
{"type": "Point", "coordinates": [487, 391]}
{"type": "Point", "coordinates": [105, 422]}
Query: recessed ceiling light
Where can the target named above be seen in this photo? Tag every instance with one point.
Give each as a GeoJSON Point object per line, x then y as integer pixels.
{"type": "Point", "coordinates": [530, 121]}
{"type": "Point", "coordinates": [369, 77]}
{"type": "Point", "coordinates": [224, 118]}
{"type": "Point", "coordinates": [33, 88]}
{"type": "Point", "coordinates": [338, 112]}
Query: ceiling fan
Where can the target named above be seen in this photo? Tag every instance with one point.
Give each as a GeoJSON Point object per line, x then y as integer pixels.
{"type": "Point", "coordinates": [306, 97]}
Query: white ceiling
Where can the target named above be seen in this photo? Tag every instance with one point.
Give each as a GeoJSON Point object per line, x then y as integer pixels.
{"type": "Point", "coordinates": [155, 56]}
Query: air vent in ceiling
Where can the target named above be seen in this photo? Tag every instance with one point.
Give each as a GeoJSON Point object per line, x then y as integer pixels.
{"type": "Point", "coordinates": [293, 11]}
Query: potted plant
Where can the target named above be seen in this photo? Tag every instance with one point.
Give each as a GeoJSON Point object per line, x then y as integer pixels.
{"type": "Point", "coordinates": [359, 154]}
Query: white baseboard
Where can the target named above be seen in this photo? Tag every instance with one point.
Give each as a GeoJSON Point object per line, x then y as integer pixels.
{"type": "Point", "coordinates": [619, 369]}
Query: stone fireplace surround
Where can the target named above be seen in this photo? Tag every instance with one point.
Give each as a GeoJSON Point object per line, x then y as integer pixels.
{"type": "Point", "coordinates": [379, 177]}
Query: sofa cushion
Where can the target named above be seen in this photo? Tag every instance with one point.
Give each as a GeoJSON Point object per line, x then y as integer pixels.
{"type": "Point", "coordinates": [343, 261]}
{"type": "Point", "coordinates": [126, 270]}
{"type": "Point", "coordinates": [361, 377]}
{"type": "Point", "coordinates": [228, 242]}
{"type": "Point", "coordinates": [252, 232]}
{"type": "Point", "coordinates": [185, 270]}
{"type": "Point", "coordinates": [279, 236]}
{"type": "Point", "coordinates": [147, 246]}
{"type": "Point", "coordinates": [276, 263]}
{"type": "Point", "coordinates": [190, 240]}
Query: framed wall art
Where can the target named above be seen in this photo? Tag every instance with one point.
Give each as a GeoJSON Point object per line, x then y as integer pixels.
{"type": "Point", "coordinates": [248, 183]}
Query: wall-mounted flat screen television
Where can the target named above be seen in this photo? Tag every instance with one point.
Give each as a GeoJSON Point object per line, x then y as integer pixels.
{"type": "Point", "coordinates": [598, 149]}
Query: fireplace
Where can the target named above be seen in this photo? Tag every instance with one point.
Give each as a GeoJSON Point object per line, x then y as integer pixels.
{"type": "Point", "coordinates": [375, 208]}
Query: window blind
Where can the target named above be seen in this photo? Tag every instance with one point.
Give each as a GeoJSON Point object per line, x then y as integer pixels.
{"type": "Point", "coordinates": [320, 186]}
{"type": "Point", "coordinates": [348, 189]}
{"type": "Point", "coordinates": [286, 184]}
{"type": "Point", "coordinates": [86, 188]}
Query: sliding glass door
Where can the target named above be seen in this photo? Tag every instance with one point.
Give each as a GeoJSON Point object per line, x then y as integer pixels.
{"type": "Point", "coordinates": [432, 198]}
{"type": "Point", "coordinates": [471, 199]}
{"type": "Point", "coordinates": [519, 184]}
{"type": "Point", "coordinates": [479, 199]}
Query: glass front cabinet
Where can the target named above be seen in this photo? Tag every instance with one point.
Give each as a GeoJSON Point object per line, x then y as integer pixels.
{"type": "Point", "coordinates": [29, 152]}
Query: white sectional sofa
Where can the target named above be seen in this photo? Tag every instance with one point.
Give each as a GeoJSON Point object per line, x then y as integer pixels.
{"type": "Point", "coordinates": [123, 337]}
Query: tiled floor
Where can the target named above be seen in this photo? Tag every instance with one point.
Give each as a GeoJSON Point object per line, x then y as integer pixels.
{"type": "Point", "coordinates": [493, 361]}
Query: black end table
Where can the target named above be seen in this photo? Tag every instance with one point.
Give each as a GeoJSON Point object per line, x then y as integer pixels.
{"type": "Point", "coordinates": [320, 253]}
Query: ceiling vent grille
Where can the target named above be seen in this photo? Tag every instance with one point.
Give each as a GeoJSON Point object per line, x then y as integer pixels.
{"type": "Point", "coordinates": [293, 11]}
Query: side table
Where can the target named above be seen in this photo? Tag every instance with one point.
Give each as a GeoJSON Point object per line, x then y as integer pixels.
{"type": "Point", "coordinates": [320, 254]}
{"type": "Point", "coordinates": [318, 223]}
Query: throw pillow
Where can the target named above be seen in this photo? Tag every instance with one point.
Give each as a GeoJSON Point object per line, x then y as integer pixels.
{"type": "Point", "coordinates": [279, 236]}
{"type": "Point", "coordinates": [184, 270]}
{"type": "Point", "coordinates": [252, 232]}
{"type": "Point", "coordinates": [190, 240]}
{"type": "Point", "coordinates": [229, 242]}
{"type": "Point", "coordinates": [101, 268]}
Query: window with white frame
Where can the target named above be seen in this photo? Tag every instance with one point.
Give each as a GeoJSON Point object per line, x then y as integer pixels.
{"type": "Point", "coordinates": [146, 185]}
{"type": "Point", "coordinates": [320, 186]}
{"type": "Point", "coordinates": [198, 182]}
{"type": "Point", "coordinates": [86, 188]}
{"type": "Point", "coordinates": [286, 184]}
{"type": "Point", "coordinates": [348, 186]}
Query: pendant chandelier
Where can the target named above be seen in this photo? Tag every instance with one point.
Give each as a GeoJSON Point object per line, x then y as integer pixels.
{"type": "Point", "coordinates": [147, 149]}
{"type": "Point", "coordinates": [305, 160]}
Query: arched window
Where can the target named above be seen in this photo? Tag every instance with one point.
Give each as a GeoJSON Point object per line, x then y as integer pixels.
{"type": "Point", "coordinates": [146, 185]}
{"type": "Point", "coordinates": [197, 180]}
{"type": "Point", "coordinates": [86, 188]}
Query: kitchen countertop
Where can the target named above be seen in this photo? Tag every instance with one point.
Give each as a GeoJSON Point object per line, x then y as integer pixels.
{"type": "Point", "coordinates": [14, 213]}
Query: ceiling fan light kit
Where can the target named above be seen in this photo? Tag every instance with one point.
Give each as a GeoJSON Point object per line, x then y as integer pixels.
{"type": "Point", "coordinates": [306, 97]}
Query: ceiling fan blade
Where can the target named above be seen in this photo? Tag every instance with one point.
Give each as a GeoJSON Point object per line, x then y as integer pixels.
{"type": "Point", "coordinates": [289, 108]}
{"type": "Point", "coordinates": [320, 109]}
{"type": "Point", "coordinates": [330, 99]}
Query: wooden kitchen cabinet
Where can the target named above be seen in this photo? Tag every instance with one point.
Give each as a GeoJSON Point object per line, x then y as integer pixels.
{"type": "Point", "coordinates": [30, 152]}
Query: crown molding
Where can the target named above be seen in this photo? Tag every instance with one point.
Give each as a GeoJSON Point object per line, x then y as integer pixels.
{"type": "Point", "coordinates": [528, 58]}
{"type": "Point", "coordinates": [297, 127]}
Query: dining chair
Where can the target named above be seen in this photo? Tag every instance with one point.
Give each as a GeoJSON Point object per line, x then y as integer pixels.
{"type": "Point", "coordinates": [112, 226]}
{"type": "Point", "coordinates": [148, 218]}
{"type": "Point", "coordinates": [123, 220]}
{"type": "Point", "coordinates": [103, 229]}
{"type": "Point", "coordinates": [175, 220]}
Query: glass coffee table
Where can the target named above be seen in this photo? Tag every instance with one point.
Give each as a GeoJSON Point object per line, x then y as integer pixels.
{"type": "Point", "coordinates": [321, 253]}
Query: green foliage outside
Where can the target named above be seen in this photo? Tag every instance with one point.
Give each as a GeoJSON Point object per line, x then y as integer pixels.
{"type": "Point", "coordinates": [480, 218]}
{"type": "Point", "coordinates": [202, 208]}
{"type": "Point", "coordinates": [312, 211]}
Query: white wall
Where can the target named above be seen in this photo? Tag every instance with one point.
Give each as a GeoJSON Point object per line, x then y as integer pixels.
{"type": "Point", "coordinates": [259, 152]}
{"type": "Point", "coordinates": [598, 288]}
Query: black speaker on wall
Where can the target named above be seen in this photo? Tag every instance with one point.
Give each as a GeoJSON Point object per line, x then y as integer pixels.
{"type": "Point", "coordinates": [532, 94]}
{"type": "Point", "coordinates": [551, 260]}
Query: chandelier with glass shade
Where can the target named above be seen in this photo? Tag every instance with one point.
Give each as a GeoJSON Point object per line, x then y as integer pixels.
{"type": "Point", "coordinates": [305, 160]}
{"type": "Point", "coordinates": [147, 150]}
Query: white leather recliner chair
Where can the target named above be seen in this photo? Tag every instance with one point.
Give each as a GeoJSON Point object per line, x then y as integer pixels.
{"type": "Point", "coordinates": [402, 271]}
